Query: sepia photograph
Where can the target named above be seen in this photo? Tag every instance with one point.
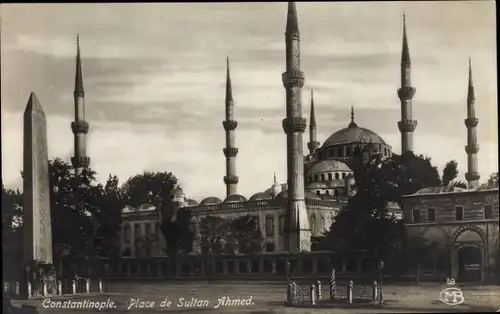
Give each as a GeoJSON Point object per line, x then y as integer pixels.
{"type": "Point", "coordinates": [250, 157]}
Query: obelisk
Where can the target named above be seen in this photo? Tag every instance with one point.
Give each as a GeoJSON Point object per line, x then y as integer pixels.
{"type": "Point", "coordinates": [37, 242]}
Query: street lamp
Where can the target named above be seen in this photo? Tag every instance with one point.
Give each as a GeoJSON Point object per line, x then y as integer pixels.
{"type": "Point", "coordinates": [381, 269]}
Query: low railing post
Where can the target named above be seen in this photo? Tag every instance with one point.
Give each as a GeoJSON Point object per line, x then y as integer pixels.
{"type": "Point", "coordinates": [349, 291]}
{"type": "Point", "coordinates": [312, 294]}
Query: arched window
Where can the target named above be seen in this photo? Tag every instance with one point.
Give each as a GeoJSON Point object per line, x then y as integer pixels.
{"type": "Point", "coordinates": [336, 176]}
{"type": "Point", "coordinates": [316, 178]}
{"type": "Point", "coordinates": [317, 192]}
{"type": "Point", "coordinates": [313, 224]}
{"type": "Point", "coordinates": [126, 232]}
{"type": "Point", "coordinates": [322, 177]}
{"type": "Point", "coordinates": [343, 175]}
{"type": "Point", "coordinates": [327, 192]}
{"type": "Point", "coordinates": [330, 176]}
{"type": "Point", "coordinates": [336, 192]}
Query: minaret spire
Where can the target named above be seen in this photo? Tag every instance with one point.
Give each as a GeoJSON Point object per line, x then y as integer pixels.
{"type": "Point", "coordinates": [294, 125]}
{"type": "Point", "coordinates": [472, 176]}
{"type": "Point", "coordinates": [80, 127]}
{"type": "Point", "coordinates": [313, 144]}
{"type": "Point", "coordinates": [407, 125]}
{"type": "Point", "coordinates": [352, 124]}
{"type": "Point", "coordinates": [230, 179]}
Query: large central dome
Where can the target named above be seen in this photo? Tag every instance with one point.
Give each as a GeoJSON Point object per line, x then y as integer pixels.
{"type": "Point", "coordinates": [353, 134]}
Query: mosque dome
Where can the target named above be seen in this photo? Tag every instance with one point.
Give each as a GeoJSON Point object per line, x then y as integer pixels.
{"type": "Point", "coordinates": [211, 201]}
{"type": "Point", "coordinates": [260, 196]}
{"type": "Point", "coordinates": [353, 134]}
{"type": "Point", "coordinates": [235, 198]}
{"type": "Point", "coordinates": [329, 166]}
{"type": "Point", "coordinates": [191, 202]}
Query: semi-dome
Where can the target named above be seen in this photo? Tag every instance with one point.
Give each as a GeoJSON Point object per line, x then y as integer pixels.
{"type": "Point", "coordinates": [440, 189]}
{"type": "Point", "coordinates": [308, 195]}
{"type": "Point", "coordinates": [260, 196]}
{"type": "Point", "coordinates": [235, 198]}
{"type": "Point", "coordinates": [328, 166]}
{"type": "Point", "coordinates": [191, 202]}
{"type": "Point", "coordinates": [353, 134]}
{"type": "Point", "coordinates": [211, 201]}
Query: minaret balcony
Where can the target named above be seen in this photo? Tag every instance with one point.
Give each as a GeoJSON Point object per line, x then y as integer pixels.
{"type": "Point", "coordinates": [406, 92]}
{"type": "Point", "coordinates": [471, 122]}
{"type": "Point", "coordinates": [295, 35]}
{"type": "Point", "coordinates": [293, 78]}
{"type": "Point", "coordinates": [472, 176]}
{"type": "Point", "coordinates": [80, 161]}
{"type": "Point", "coordinates": [230, 152]}
{"type": "Point", "coordinates": [407, 126]}
{"type": "Point", "coordinates": [80, 127]}
{"type": "Point", "coordinates": [313, 146]}
{"type": "Point", "coordinates": [230, 125]}
{"type": "Point", "coordinates": [294, 125]}
{"type": "Point", "coordinates": [231, 179]}
{"type": "Point", "coordinates": [472, 149]}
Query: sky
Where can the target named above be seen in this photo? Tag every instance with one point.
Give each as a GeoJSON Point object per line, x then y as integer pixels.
{"type": "Point", "coordinates": [154, 78]}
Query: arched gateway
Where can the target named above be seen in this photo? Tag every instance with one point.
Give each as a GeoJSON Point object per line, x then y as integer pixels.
{"type": "Point", "coordinates": [470, 261]}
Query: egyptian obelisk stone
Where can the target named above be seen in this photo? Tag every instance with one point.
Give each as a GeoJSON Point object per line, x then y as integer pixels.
{"type": "Point", "coordinates": [37, 223]}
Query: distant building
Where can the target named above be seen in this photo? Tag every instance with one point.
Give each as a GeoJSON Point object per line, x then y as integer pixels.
{"type": "Point", "coordinates": [462, 223]}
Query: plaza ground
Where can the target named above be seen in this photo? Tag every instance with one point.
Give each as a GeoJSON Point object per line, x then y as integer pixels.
{"type": "Point", "coordinates": [269, 298]}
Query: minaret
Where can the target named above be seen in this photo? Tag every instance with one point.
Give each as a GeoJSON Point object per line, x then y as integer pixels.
{"type": "Point", "coordinates": [230, 179]}
{"type": "Point", "coordinates": [407, 125]}
{"type": "Point", "coordinates": [294, 125]}
{"type": "Point", "coordinates": [313, 131]}
{"type": "Point", "coordinates": [472, 148]}
{"type": "Point", "coordinates": [80, 127]}
{"type": "Point", "coordinates": [276, 187]}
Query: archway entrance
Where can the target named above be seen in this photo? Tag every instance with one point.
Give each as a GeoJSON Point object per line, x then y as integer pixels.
{"type": "Point", "coordinates": [470, 264]}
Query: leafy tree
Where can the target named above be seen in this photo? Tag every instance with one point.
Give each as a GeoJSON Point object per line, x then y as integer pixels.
{"type": "Point", "coordinates": [150, 187]}
{"type": "Point", "coordinates": [213, 231]}
{"type": "Point", "coordinates": [12, 232]}
{"type": "Point", "coordinates": [178, 232]}
{"type": "Point", "coordinates": [450, 172]}
{"type": "Point", "coordinates": [493, 180]}
{"type": "Point", "coordinates": [244, 235]}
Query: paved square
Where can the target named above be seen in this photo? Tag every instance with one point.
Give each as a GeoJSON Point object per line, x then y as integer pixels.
{"type": "Point", "coordinates": [261, 298]}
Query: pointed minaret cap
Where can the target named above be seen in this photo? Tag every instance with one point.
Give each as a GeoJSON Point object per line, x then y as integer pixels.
{"type": "Point", "coordinates": [78, 75]}
{"type": "Point", "coordinates": [470, 94]}
{"type": "Point", "coordinates": [313, 113]}
{"type": "Point", "coordinates": [405, 53]}
{"type": "Point", "coordinates": [352, 124]}
{"type": "Point", "coordinates": [33, 105]}
{"type": "Point", "coordinates": [229, 89]}
{"type": "Point", "coordinates": [292, 22]}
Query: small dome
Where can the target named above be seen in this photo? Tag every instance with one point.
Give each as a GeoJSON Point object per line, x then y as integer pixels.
{"type": "Point", "coordinates": [191, 202]}
{"type": "Point", "coordinates": [260, 196]}
{"type": "Point", "coordinates": [211, 201]}
{"type": "Point", "coordinates": [235, 198]}
{"type": "Point", "coordinates": [282, 195]}
{"type": "Point", "coordinates": [440, 189]}
{"type": "Point", "coordinates": [353, 134]}
{"type": "Point", "coordinates": [328, 165]}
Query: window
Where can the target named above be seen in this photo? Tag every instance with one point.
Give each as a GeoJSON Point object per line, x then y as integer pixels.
{"type": "Point", "coordinates": [343, 175]}
{"type": "Point", "coordinates": [269, 225]}
{"type": "Point", "coordinates": [488, 211]}
{"type": "Point", "coordinates": [281, 224]}
{"type": "Point", "coordinates": [330, 176]}
{"type": "Point", "coordinates": [459, 213]}
{"type": "Point", "coordinates": [148, 230]}
{"type": "Point", "coordinates": [323, 223]}
{"type": "Point", "coordinates": [431, 214]}
{"type": "Point", "coordinates": [316, 178]}
{"type": "Point", "coordinates": [317, 192]}
{"type": "Point", "coordinates": [137, 231]}
{"type": "Point", "coordinates": [416, 215]}
{"type": "Point", "coordinates": [269, 247]}
{"type": "Point", "coordinates": [322, 177]}
{"type": "Point", "coordinates": [126, 231]}
{"type": "Point", "coordinates": [336, 176]}
{"type": "Point", "coordinates": [330, 152]}
{"type": "Point", "coordinates": [313, 224]}
{"type": "Point", "coordinates": [327, 192]}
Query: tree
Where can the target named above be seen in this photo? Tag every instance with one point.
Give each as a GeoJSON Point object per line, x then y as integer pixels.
{"type": "Point", "coordinates": [213, 231]}
{"type": "Point", "coordinates": [244, 235]}
{"type": "Point", "coordinates": [493, 181]}
{"type": "Point", "coordinates": [150, 187]}
{"type": "Point", "coordinates": [12, 232]}
{"type": "Point", "coordinates": [450, 172]}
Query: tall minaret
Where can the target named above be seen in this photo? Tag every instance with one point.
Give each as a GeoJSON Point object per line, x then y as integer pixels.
{"type": "Point", "coordinates": [294, 125]}
{"type": "Point", "coordinates": [230, 179]}
{"type": "Point", "coordinates": [472, 148]}
{"type": "Point", "coordinates": [407, 125]}
{"type": "Point", "coordinates": [313, 131]}
{"type": "Point", "coordinates": [80, 127]}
